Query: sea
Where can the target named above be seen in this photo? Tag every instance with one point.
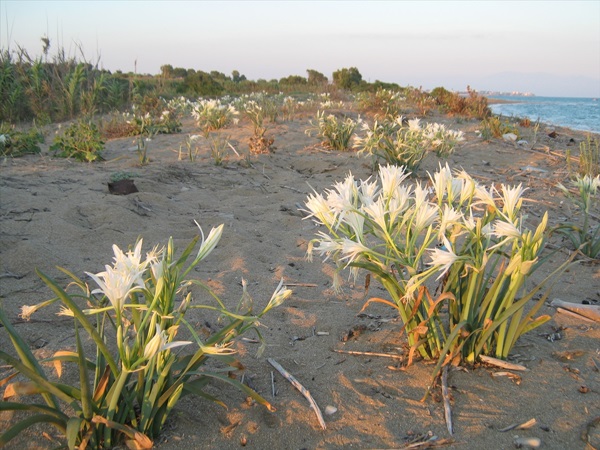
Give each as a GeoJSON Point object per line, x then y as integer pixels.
{"type": "Point", "coordinates": [576, 113]}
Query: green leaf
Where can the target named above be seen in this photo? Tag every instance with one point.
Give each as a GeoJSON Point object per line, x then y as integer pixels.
{"type": "Point", "coordinates": [50, 388]}
{"type": "Point", "coordinates": [83, 320]}
{"type": "Point", "coordinates": [84, 382]}
{"type": "Point", "coordinates": [28, 360]}
{"type": "Point", "coordinates": [26, 423]}
{"type": "Point", "coordinates": [73, 431]}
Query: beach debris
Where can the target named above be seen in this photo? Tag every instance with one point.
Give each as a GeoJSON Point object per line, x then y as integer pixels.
{"type": "Point", "coordinates": [585, 434]}
{"type": "Point", "coordinates": [330, 410]}
{"type": "Point", "coordinates": [513, 376]}
{"type": "Point", "coordinates": [354, 332]}
{"type": "Point", "coordinates": [273, 391]}
{"type": "Point", "coordinates": [510, 137]}
{"type": "Point", "coordinates": [288, 376]}
{"type": "Point", "coordinates": [383, 355]}
{"type": "Point", "coordinates": [528, 442]}
{"type": "Point", "coordinates": [522, 142]}
{"type": "Point", "coordinates": [446, 397]}
{"type": "Point", "coordinates": [567, 356]}
{"type": "Point", "coordinates": [588, 311]}
{"type": "Point", "coordinates": [428, 440]}
{"type": "Point", "coordinates": [122, 187]}
{"type": "Point", "coordinates": [523, 426]}
{"type": "Point", "coordinates": [502, 364]}
{"type": "Point", "coordinates": [551, 132]}
{"type": "Point", "coordinates": [533, 169]}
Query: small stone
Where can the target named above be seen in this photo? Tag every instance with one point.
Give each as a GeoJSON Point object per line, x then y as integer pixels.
{"type": "Point", "coordinates": [509, 137]}
{"type": "Point", "coordinates": [329, 410]}
{"type": "Point", "coordinates": [528, 442]}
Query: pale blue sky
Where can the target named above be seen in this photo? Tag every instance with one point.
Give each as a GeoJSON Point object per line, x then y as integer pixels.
{"type": "Point", "coordinates": [548, 48]}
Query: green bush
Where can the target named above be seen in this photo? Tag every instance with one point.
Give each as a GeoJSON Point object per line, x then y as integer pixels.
{"type": "Point", "coordinates": [18, 143]}
{"type": "Point", "coordinates": [81, 141]}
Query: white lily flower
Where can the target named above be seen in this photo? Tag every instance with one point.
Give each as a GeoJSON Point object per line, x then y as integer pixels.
{"type": "Point", "coordinates": [450, 216]}
{"type": "Point", "coordinates": [279, 296]}
{"type": "Point", "coordinates": [318, 208]}
{"type": "Point", "coordinates": [512, 198]}
{"type": "Point", "coordinates": [485, 197]}
{"type": "Point", "coordinates": [414, 124]}
{"type": "Point", "coordinates": [211, 241]}
{"type": "Point", "coordinates": [391, 178]}
{"type": "Point", "coordinates": [352, 250]}
{"type": "Point", "coordinates": [440, 181]}
{"type": "Point", "coordinates": [116, 285]}
{"type": "Point", "coordinates": [468, 187]}
{"type": "Point", "coordinates": [131, 263]}
{"type": "Point", "coordinates": [356, 222]}
{"type": "Point", "coordinates": [377, 212]}
{"type": "Point", "coordinates": [443, 258]}
{"type": "Point", "coordinates": [506, 229]}
{"type": "Point", "coordinates": [367, 192]}
{"type": "Point", "coordinates": [327, 245]}
{"type": "Point", "coordinates": [159, 343]}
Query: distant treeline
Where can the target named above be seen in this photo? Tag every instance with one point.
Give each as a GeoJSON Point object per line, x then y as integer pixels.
{"type": "Point", "coordinates": [60, 88]}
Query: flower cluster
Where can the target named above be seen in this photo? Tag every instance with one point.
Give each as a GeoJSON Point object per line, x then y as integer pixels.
{"type": "Point", "coordinates": [213, 114]}
{"type": "Point", "coordinates": [135, 314]}
{"type": "Point", "coordinates": [406, 144]}
{"type": "Point", "coordinates": [336, 133]}
{"type": "Point", "coordinates": [467, 238]}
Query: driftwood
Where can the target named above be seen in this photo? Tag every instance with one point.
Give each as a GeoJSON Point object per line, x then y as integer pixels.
{"type": "Point", "coordinates": [288, 376]}
{"type": "Point", "coordinates": [500, 363]}
{"type": "Point", "coordinates": [589, 311]}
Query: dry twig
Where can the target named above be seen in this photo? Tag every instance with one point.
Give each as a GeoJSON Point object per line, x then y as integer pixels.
{"type": "Point", "coordinates": [288, 376]}
{"type": "Point", "coordinates": [503, 364]}
{"type": "Point", "coordinates": [445, 396]}
{"type": "Point", "coordinates": [384, 355]}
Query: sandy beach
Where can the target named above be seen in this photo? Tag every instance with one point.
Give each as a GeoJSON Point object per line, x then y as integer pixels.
{"type": "Point", "coordinates": [57, 212]}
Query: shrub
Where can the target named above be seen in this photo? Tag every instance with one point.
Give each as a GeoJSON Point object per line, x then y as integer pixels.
{"type": "Point", "coordinates": [589, 157]}
{"type": "Point", "coordinates": [495, 127]}
{"type": "Point", "coordinates": [136, 377]}
{"type": "Point", "coordinates": [347, 78]}
{"type": "Point", "coordinates": [471, 237]}
{"type": "Point", "coordinates": [81, 140]}
{"type": "Point", "coordinates": [17, 143]}
{"type": "Point", "coordinates": [407, 145]}
{"type": "Point", "coordinates": [213, 115]}
{"type": "Point", "coordinates": [336, 133]}
{"type": "Point", "coordinates": [383, 102]}
{"type": "Point", "coordinates": [584, 238]}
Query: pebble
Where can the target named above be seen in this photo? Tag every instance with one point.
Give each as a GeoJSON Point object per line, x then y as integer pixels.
{"type": "Point", "coordinates": [329, 410]}
{"type": "Point", "coordinates": [528, 442]}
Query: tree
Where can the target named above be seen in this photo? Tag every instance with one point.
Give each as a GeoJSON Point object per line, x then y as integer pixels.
{"type": "Point", "coordinates": [316, 78]}
{"type": "Point", "coordinates": [166, 71]}
{"type": "Point", "coordinates": [293, 79]}
{"type": "Point", "coordinates": [201, 83]}
{"type": "Point", "coordinates": [347, 78]}
{"type": "Point", "coordinates": [179, 72]}
{"type": "Point", "coordinates": [236, 77]}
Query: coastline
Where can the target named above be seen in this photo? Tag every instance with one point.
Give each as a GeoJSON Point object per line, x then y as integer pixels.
{"type": "Point", "coordinates": [581, 114]}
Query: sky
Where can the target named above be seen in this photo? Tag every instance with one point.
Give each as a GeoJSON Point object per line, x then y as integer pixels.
{"type": "Point", "coordinates": [549, 48]}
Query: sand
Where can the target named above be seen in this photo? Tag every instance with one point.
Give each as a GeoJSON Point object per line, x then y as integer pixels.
{"type": "Point", "coordinates": [57, 212]}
